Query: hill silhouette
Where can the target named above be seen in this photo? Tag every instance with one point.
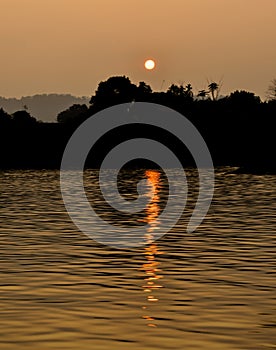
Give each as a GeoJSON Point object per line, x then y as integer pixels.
{"type": "Point", "coordinates": [44, 107]}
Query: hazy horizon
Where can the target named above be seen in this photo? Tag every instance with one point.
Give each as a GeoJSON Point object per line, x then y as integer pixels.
{"type": "Point", "coordinates": [69, 46]}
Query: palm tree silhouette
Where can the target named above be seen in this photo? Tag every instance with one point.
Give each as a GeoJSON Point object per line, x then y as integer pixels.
{"type": "Point", "coordinates": [189, 90]}
{"type": "Point", "coordinates": [202, 94]}
{"type": "Point", "coordinates": [214, 90]}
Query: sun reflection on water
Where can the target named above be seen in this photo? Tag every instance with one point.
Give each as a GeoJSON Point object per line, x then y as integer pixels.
{"type": "Point", "coordinates": [152, 267]}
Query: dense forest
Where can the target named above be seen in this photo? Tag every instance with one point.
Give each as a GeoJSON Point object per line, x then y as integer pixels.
{"type": "Point", "coordinates": [239, 129]}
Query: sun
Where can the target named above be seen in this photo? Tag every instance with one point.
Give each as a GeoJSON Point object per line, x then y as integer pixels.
{"type": "Point", "coordinates": [149, 64]}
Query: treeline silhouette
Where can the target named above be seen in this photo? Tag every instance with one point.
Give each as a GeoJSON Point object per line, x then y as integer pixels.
{"type": "Point", "coordinates": [238, 129]}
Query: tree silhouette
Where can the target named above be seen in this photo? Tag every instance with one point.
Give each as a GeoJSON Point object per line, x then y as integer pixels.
{"type": "Point", "coordinates": [23, 118]}
{"type": "Point", "coordinates": [144, 88]}
{"type": "Point", "coordinates": [189, 90]}
{"type": "Point", "coordinates": [176, 90]}
{"type": "Point", "coordinates": [143, 92]}
{"type": "Point", "coordinates": [214, 90]}
{"type": "Point", "coordinates": [244, 99]}
{"type": "Point", "coordinates": [73, 114]}
{"type": "Point", "coordinates": [202, 94]}
{"type": "Point", "coordinates": [5, 118]}
{"type": "Point", "coordinates": [118, 89]}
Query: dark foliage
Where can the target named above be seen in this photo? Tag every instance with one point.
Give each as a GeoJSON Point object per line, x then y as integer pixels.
{"type": "Point", "coordinates": [238, 129]}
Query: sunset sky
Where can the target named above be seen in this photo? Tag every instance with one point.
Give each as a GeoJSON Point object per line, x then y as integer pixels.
{"type": "Point", "coordinates": [69, 46]}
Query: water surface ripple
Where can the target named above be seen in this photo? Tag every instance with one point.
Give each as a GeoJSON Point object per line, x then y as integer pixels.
{"type": "Point", "coordinates": [213, 289]}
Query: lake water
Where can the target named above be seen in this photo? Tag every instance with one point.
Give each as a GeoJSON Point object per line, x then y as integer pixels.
{"type": "Point", "coordinates": [211, 289]}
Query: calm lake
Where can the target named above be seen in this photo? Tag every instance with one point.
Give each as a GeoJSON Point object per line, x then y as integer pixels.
{"type": "Point", "coordinates": [211, 289]}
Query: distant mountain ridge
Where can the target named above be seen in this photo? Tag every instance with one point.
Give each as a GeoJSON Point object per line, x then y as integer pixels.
{"type": "Point", "coordinates": [44, 107]}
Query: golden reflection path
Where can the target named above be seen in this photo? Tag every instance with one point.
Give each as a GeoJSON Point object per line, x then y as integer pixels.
{"type": "Point", "coordinates": [152, 267]}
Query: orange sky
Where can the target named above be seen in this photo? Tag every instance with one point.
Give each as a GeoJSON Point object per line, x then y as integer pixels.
{"type": "Point", "coordinates": [69, 46]}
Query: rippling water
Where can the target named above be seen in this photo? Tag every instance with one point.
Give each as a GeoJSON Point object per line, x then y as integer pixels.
{"type": "Point", "coordinates": [213, 289]}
